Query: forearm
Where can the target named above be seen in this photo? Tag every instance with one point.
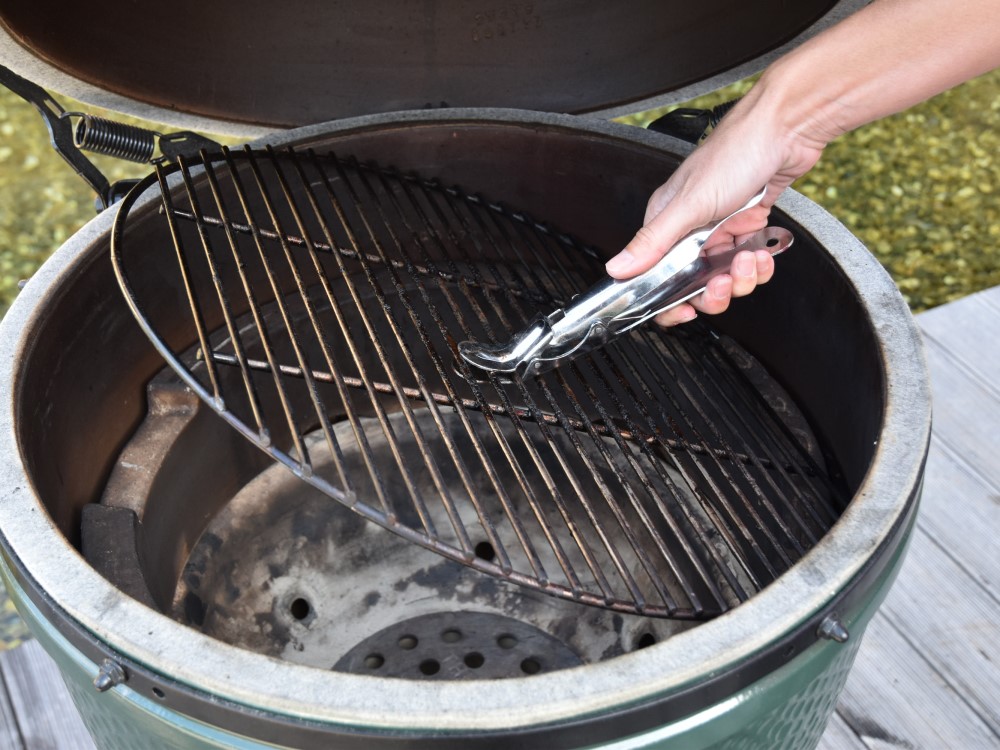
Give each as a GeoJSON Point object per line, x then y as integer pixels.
{"type": "Point", "coordinates": [883, 59]}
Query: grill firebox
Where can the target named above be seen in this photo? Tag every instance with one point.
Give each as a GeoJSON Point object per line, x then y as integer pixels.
{"type": "Point", "coordinates": [78, 366]}
{"type": "Point", "coordinates": [283, 571]}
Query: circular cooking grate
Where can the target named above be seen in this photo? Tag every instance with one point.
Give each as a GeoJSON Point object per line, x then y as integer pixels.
{"type": "Point", "coordinates": [305, 294]}
{"type": "Point", "coordinates": [458, 646]}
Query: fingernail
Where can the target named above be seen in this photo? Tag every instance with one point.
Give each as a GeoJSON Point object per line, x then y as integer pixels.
{"type": "Point", "coordinates": [745, 263]}
{"type": "Point", "coordinates": [620, 263]}
{"type": "Point", "coordinates": [722, 287]}
{"type": "Point", "coordinates": [688, 315]}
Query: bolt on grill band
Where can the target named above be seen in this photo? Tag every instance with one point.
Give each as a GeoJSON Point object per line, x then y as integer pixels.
{"type": "Point", "coordinates": [666, 475]}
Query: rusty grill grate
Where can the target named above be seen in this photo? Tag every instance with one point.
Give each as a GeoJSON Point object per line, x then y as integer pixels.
{"type": "Point", "coordinates": [315, 303]}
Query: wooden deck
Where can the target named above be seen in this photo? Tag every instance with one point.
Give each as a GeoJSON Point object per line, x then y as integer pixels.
{"type": "Point", "coordinates": [928, 674]}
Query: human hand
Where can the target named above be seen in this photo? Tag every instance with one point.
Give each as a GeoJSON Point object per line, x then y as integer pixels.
{"type": "Point", "coordinates": [889, 56]}
{"type": "Point", "coordinates": [751, 147]}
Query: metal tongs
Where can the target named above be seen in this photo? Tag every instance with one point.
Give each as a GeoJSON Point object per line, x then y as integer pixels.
{"type": "Point", "coordinates": [611, 308]}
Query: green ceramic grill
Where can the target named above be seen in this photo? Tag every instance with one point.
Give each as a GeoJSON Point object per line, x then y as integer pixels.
{"type": "Point", "coordinates": [255, 499]}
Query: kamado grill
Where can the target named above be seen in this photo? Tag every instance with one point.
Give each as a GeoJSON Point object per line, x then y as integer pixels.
{"type": "Point", "coordinates": [319, 526]}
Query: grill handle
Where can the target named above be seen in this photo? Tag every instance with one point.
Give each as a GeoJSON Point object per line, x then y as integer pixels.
{"type": "Point", "coordinates": [689, 124]}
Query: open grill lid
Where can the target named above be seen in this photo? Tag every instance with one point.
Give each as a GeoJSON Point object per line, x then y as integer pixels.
{"type": "Point", "coordinates": [255, 66]}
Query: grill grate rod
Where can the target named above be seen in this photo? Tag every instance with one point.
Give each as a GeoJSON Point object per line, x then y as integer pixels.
{"type": "Point", "coordinates": [501, 490]}
{"type": "Point", "coordinates": [335, 290]}
{"type": "Point", "coordinates": [745, 505]}
{"type": "Point", "coordinates": [505, 408]}
{"type": "Point", "coordinates": [681, 539]}
{"type": "Point", "coordinates": [725, 494]}
{"type": "Point", "coordinates": [713, 374]}
{"type": "Point", "coordinates": [661, 543]}
{"type": "Point", "coordinates": [405, 471]}
{"type": "Point", "coordinates": [757, 416]}
{"type": "Point", "coordinates": [508, 409]}
{"type": "Point", "coordinates": [758, 495]}
{"type": "Point", "coordinates": [738, 412]}
{"type": "Point", "coordinates": [630, 537]}
{"type": "Point", "coordinates": [652, 436]}
{"type": "Point", "coordinates": [559, 282]}
{"type": "Point", "coordinates": [804, 465]}
{"type": "Point", "coordinates": [297, 241]}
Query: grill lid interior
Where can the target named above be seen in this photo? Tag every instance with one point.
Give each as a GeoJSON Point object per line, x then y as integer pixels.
{"type": "Point", "coordinates": [255, 64]}
{"type": "Point", "coordinates": [315, 305]}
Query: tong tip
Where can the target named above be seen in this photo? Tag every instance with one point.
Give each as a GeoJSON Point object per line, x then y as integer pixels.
{"type": "Point", "coordinates": [486, 357]}
{"type": "Point", "coordinates": [512, 356]}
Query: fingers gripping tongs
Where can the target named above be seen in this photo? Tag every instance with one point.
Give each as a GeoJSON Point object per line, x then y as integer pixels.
{"type": "Point", "coordinates": [612, 307]}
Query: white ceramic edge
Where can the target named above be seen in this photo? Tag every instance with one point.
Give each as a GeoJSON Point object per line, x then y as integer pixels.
{"type": "Point", "coordinates": [260, 681]}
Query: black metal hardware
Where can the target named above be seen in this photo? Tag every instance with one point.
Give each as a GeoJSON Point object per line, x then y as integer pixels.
{"type": "Point", "coordinates": [102, 136]}
{"type": "Point", "coordinates": [60, 131]}
{"type": "Point", "coordinates": [690, 124]}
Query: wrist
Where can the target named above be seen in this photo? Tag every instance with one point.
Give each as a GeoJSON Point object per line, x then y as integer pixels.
{"type": "Point", "coordinates": [801, 110]}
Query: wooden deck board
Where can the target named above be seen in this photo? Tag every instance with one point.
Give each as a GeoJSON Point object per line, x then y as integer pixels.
{"type": "Point", "coordinates": [926, 676]}
{"type": "Point", "coordinates": [43, 711]}
{"type": "Point", "coordinates": [840, 736]}
{"type": "Point", "coordinates": [10, 734]}
{"type": "Point", "coordinates": [990, 300]}
{"type": "Point", "coordinates": [967, 330]}
{"type": "Point", "coordinates": [961, 511]}
{"type": "Point", "coordinates": [894, 698]}
{"type": "Point", "coordinates": [944, 615]}
{"type": "Point", "coordinates": [966, 413]}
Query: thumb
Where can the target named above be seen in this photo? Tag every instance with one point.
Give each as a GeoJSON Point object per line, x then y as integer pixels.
{"type": "Point", "coordinates": [651, 243]}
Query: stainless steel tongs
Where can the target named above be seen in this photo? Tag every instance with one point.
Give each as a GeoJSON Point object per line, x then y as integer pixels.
{"type": "Point", "coordinates": [612, 307]}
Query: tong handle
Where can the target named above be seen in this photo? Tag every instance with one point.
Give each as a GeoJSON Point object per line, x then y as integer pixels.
{"type": "Point", "coordinates": [614, 306]}
{"type": "Point", "coordinates": [688, 249]}
{"type": "Point", "coordinates": [693, 279]}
